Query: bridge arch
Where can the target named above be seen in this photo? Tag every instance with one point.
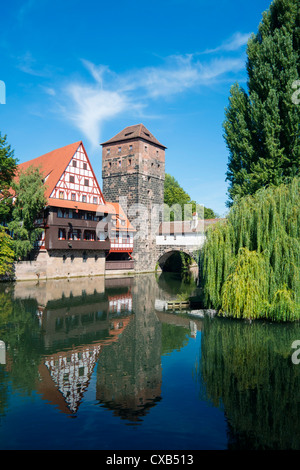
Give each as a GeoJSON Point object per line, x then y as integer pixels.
{"type": "Point", "coordinates": [172, 259]}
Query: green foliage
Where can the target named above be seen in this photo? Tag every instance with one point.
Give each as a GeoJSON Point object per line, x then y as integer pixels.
{"type": "Point", "coordinates": [175, 197]}
{"type": "Point", "coordinates": [6, 253]}
{"type": "Point", "coordinates": [8, 165]}
{"type": "Point", "coordinates": [262, 124]}
{"type": "Point", "coordinates": [251, 263]}
{"type": "Point", "coordinates": [29, 203]}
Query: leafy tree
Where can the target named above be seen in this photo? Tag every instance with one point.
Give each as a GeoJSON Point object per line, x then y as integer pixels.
{"type": "Point", "coordinates": [29, 203]}
{"type": "Point", "coordinates": [262, 124]}
{"type": "Point", "coordinates": [250, 264]}
{"type": "Point", "coordinates": [6, 253]}
{"type": "Point", "coordinates": [176, 197]}
{"type": "Point", "coordinates": [8, 165]}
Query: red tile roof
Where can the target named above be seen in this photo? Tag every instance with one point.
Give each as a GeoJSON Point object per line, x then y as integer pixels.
{"type": "Point", "coordinates": [52, 165]}
{"type": "Point", "coordinates": [84, 206]}
{"type": "Point", "coordinates": [133, 132]}
{"type": "Point", "coordinates": [120, 215]}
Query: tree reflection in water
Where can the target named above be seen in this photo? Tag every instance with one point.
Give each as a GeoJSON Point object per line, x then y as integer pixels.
{"type": "Point", "coordinates": [247, 369]}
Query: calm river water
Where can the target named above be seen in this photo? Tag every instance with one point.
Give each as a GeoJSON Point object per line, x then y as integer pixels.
{"type": "Point", "coordinates": [94, 364]}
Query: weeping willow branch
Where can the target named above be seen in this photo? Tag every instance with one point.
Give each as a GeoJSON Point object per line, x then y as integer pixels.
{"type": "Point", "coordinates": [250, 264]}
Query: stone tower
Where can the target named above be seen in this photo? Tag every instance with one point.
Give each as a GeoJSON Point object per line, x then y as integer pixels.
{"type": "Point", "coordinates": [133, 167]}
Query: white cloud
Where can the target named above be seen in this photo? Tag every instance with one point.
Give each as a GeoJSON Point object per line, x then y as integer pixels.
{"type": "Point", "coordinates": [234, 43]}
{"type": "Point", "coordinates": [89, 105]}
{"type": "Point", "coordinates": [26, 63]}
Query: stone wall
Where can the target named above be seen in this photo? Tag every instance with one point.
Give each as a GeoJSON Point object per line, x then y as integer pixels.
{"type": "Point", "coordinates": [58, 264]}
{"type": "Point", "coordinates": [133, 174]}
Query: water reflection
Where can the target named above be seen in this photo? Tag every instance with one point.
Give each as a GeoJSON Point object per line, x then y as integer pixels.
{"type": "Point", "coordinates": [57, 333]}
{"type": "Point", "coordinates": [70, 343]}
{"type": "Point", "coordinates": [247, 369]}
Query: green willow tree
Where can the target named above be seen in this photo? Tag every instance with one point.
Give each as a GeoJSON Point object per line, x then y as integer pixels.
{"type": "Point", "coordinates": [251, 263]}
{"type": "Point", "coordinates": [29, 202]}
{"type": "Point", "coordinates": [261, 126]}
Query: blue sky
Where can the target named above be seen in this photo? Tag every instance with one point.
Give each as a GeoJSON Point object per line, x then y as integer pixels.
{"type": "Point", "coordinates": [84, 70]}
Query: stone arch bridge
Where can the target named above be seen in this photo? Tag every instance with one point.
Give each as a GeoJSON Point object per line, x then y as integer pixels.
{"type": "Point", "coordinates": [164, 252]}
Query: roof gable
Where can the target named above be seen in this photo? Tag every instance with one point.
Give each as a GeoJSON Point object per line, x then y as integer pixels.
{"type": "Point", "coordinates": [56, 167]}
{"type": "Point", "coordinates": [52, 165]}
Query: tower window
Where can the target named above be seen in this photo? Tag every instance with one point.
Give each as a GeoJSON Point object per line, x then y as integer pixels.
{"type": "Point", "coordinates": [129, 161]}
{"type": "Point", "coordinates": [108, 151]}
{"type": "Point", "coordinates": [130, 147]}
{"type": "Point", "coordinates": [146, 148]}
{"type": "Point", "coordinates": [119, 149]}
{"type": "Point", "coordinates": [109, 164]}
{"type": "Point", "coordinates": [119, 162]}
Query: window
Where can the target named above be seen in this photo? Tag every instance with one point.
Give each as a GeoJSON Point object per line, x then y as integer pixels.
{"type": "Point", "coordinates": [129, 161]}
{"type": "Point", "coordinates": [72, 179]}
{"type": "Point", "coordinates": [119, 149]}
{"type": "Point", "coordinates": [95, 200]}
{"type": "Point", "coordinates": [83, 198]}
{"type": "Point", "coordinates": [61, 194]}
{"type": "Point", "coordinates": [108, 151]}
{"type": "Point", "coordinates": [61, 234]}
{"type": "Point", "coordinates": [109, 164]}
{"type": "Point", "coordinates": [73, 197]}
{"type": "Point", "coordinates": [130, 147]}
{"type": "Point", "coordinates": [74, 163]}
{"type": "Point", "coordinates": [146, 148]}
{"type": "Point", "coordinates": [85, 166]}
{"type": "Point", "coordinates": [119, 162]}
{"type": "Point", "coordinates": [86, 182]}
{"type": "Point", "coordinates": [59, 213]}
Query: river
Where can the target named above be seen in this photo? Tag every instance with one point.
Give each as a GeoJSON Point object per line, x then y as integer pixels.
{"type": "Point", "coordinates": [91, 363]}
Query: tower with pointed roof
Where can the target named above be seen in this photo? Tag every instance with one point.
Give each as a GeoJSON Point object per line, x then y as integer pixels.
{"type": "Point", "coordinates": [133, 165]}
{"type": "Point", "coordinates": [133, 168]}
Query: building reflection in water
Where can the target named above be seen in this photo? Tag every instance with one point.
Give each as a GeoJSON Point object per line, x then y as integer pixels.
{"type": "Point", "coordinates": [80, 327]}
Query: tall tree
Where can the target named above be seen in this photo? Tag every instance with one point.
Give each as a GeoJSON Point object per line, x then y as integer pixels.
{"type": "Point", "coordinates": [176, 197]}
{"type": "Point", "coordinates": [8, 165]}
{"type": "Point", "coordinates": [262, 124]}
{"type": "Point", "coordinates": [29, 202]}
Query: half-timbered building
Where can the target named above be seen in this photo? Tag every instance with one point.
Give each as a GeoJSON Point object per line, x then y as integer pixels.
{"type": "Point", "coordinates": [80, 228]}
